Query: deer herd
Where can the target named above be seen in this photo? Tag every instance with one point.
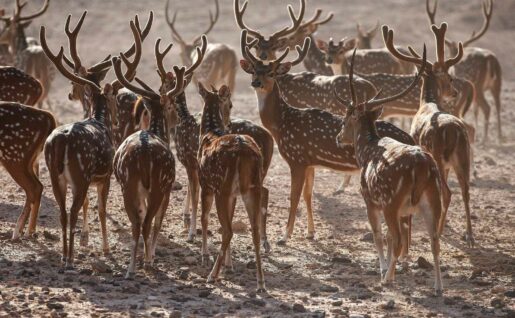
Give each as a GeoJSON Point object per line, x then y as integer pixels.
{"type": "Point", "coordinates": [330, 115]}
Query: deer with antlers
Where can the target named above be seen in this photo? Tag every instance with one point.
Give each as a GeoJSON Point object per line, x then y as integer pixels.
{"type": "Point", "coordinates": [306, 138]}
{"type": "Point", "coordinates": [440, 133]}
{"type": "Point", "coordinates": [364, 38]}
{"type": "Point", "coordinates": [144, 164]}
{"type": "Point", "coordinates": [219, 63]}
{"type": "Point", "coordinates": [81, 154]}
{"type": "Point", "coordinates": [229, 165]}
{"type": "Point", "coordinates": [29, 56]}
{"type": "Point", "coordinates": [18, 86]}
{"type": "Point", "coordinates": [23, 131]}
{"type": "Point", "coordinates": [480, 66]}
{"type": "Point", "coordinates": [396, 180]}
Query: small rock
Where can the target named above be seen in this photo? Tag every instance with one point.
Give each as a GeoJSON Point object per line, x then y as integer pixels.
{"type": "Point", "coordinates": [337, 303]}
{"type": "Point", "coordinates": [86, 271]}
{"type": "Point", "coordinates": [257, 302]}
{"type": "Point", "coordinates": [368, 237]}
{"type": "Point", "coordinates": [183, 274]}
{"type": "Point", "coordinates": [100, 267]}
{"type": "Point", "coordinates": [49, 236]}
{"type": "Point", "coordinates": [496, 302]}
{"type": "Point", "coordinates": [341, 259]}
{"type": "Point", "coordinates": [389, 305]}
{"type": "Point", "coordinates": [204, 293]}
{"type": "Point", "coordinates": [490, 161]}
{"type": "Point", "coordinates": [356, 316]}
{"type": "Point", "coordinates": [423, 263]}
{"type": "Point", "coordinates": [510, 293]}
{"type": "Point", "coordinates": [329, 289]}
{"type": "Point", "coordinates": [499, 289]}
{"type": "Point", "coordinates": [56, 306]}
{"type": "Point", "coordinates": [175, 314]}
{"type": "Point", "coordinates": [239, 227]}
{"type": "Point", "coordinates": [190, 260]}
{"type": "Point", "coordinates": [251, 265]}
{"type": "Point", "coordinates": [298, 308]}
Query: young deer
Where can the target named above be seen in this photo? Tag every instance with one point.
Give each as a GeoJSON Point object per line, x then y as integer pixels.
{"type": "Point", "coordinates": [480, 66]}
{"type": "Point", "coordinates": [396, 181]}
{"type": "Point", "coordinates": [306, 138]}
{"type": "Point", "coordinates": [229, 165]}
{"type": "Point", "coordinates": [144, 164]}
{"type": "Point", "coordinates": [81, 154]}
{"type": "Point", "coordinates": [29, 57]}
{"type": "Point", "coordinates": [440, 133]}
{"type": "Point", "coordinates": [364, 38]}
{"type": "Point", "coordinates": [220, 62]}
{"type": "Point", "coordinates": [18, 86]}
{"type": "Point", "coordinates": [23, 131]}
{"type": "Point", "coordinates": [266, 48]}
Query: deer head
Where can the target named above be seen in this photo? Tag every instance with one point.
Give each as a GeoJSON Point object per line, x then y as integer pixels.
{"type": "Point", "coordinates": [16, 24]}
{"type": "Point", "coordinates": [453, 46]}
{"type": "Point", "coordinates": [364, 39]}
{"type": "Point", "coordinates": [306, 29]}
{"type": "Point", "coordinates": [335, 52]}
{"type": "Point", "coordinates": [437, 72]}
{"type": "Point", "coordinates": [266, 47]}
{"type": "Point", "coordinates": [362, 114]}
{"type": "Point", "coordinates": [187, 48]}
{"type": "Point", "coordinates": [263, 75]}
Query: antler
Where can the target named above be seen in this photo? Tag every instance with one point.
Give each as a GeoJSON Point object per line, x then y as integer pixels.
{"type": "Point", "coordinates": [72, 40]}
{"type": "Point", "coordinates": [212, 22]}
{"type": "Point", "coordinates": [145, 92]}
{"type": "Point", "coordinates": [130, 73]}
{"type": "Point", "coordinates": [57, 60]}
{"type": "Point", "coordinates": [19, 7]}
{"type": "Point", "coordinates": [175, 34]}
{"type": "Point", "coordinates": [160, 57]}
{"type": "Point", "coordinates": [388, 41]}
{"type": "Point", "coordinates": [245, 52]}
{"type": "Point", "coordinates": [431, 13]}
{"type": "Point", "coordinates": [180, 83]}
{"type": "Point", "coordinates": [351, 78]}
{"type": "Point", "coordinates": [201, 51]}
{"type": "Point", "coordinates": [302, 52]}
{"type": "Point", "coordinates": [238, 14]}
{"type": "Point", "coordinates": [296, 21]}
{"type": "Point", "coordinates": [488, 6]}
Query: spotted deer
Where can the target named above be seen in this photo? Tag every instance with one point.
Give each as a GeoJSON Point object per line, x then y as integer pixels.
{"type": "Point", "coordinates": [436, 131]}
{"type": "Point", "coordinates": [480, 66]}
{"type": "Point", "coordinates": [220, 62]}
{"type": "Point", "coordinates": [266, 47]}
{"type": "Point", "coordinates": [23, 131]}
{"type": "Point", "coordinates": [81, 154]}
{"type": "Point", "coordinates": [144, 164]}
{"type": "Point", "coordinates": [368, 61]}
{"type": "Point", "coordinates": [186, 137]}
{"type": "Point", "coordinates": [229, 165]}
{"type": "Point", "coordinates": [29, 56]}
{"type": "Point", "coordinates": [364, 38]}
{"type": "Point", "coordinates": [397, 180]}
{"type": "Point", "coordinates": [18, 86]}
{"type": "Point", "coordinates": [306, 138]}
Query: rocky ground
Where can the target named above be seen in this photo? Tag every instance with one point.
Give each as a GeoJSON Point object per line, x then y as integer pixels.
{"type": "Point", "coordinates": [337, 274]}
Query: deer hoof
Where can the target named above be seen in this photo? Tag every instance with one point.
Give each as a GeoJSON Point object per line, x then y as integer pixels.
{"type": "Point", "coordinates": [68, 266]}
{"type": "Point", "coordinates": [266, 247]}
{"type": "Point", "coordinates": [186, 219]}
{"type": "Point", "coordinates": [205, 259]}
{"type": "Point", "coordinates": [282, 242]}
{"type": "Point", "coordinates": [191, 238]}
{"type": "Point", "coordinates": [176, 186]}
{"type": "Point", "coordinates": [438, 292]}
{"type": "Point", "coordinates": [261, 290]}
{"type": "Point", "coordinates": [229, 270]}
{"type": "Point", "coordinates": [130, 275]}
{"type": "Point", "coordinates": [106, 251]}
{"type": "Point", "coordinates": [310, 236]}
{"type": "Point", "coordinates": [84, 239]}
{"type": "Point", "coordinates": [210, 279]}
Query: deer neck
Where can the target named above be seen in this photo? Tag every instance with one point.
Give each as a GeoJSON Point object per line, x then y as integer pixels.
{"type": "Point", "coordinates": [182, 107]}
{"type": "Point", "coordinates": [271, 106]}
{"type": "Point", "coordinates": [365, 137]}
{"type": "Point", "coordinates": [19, 43]}
{"type": "Point", "coordinates": [336, 68]}
{"type": "Point", "coordinates": [211, 123]}
{"type": "Point", "coordinates": [430, 90]}
{"type": "Point", "coordinates": [157, 125]}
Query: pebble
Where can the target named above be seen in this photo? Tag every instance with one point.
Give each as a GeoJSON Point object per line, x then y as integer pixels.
{"type": "Point", "coordinates": [329, 289]}
{"type": "Point", "coordinates": [100, 267]}
{"type": "Point", "coordinates": [510, 293]}
{"type": "Point", "coordinates": [389, 305]}
{"type": "Point", "coordinates": [368, 237]}
{"type": "Point", "coordinates": [56, 306]}
{"type": "Point", "coordinates": [204, 293]}
{"type": "Point", "coordinates": [337, 303]}
{"type": "Point", "coordinates": [496, 302]}
{"type": "Point", "coordinates": [423, 263]}
{"type": "Point", "coordinates": [190, 260]}
{"type": "Point", "coordinates": [356, 316]}
{"type": "Point", "coordinates": [298, 308]}
{"type": "Point", "coordinates": [175, 314]}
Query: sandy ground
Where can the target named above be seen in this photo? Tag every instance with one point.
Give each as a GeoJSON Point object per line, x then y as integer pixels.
{"type": "Point", "coordinates": [337, 274]}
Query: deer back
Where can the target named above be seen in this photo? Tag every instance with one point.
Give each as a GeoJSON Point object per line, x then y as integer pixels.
{"type": "Point", "coordinates": [18, 86]}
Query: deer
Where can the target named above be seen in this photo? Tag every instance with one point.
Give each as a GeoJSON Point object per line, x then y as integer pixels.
{"type": "Point", "coordinates": [18, 86]}
{"type": "Point", "coordinates": [81, 154]}
{"type": "Point", "coordinates": [229, 165]}
{"type": "Point", "coordinates": [220, 62]}
{"type": "Point", "coordinates": [367, 60]}
{"type": "Point", "coordinates": [144, 164]}
{"type": "Point", "coordinates": [480, 66]}
{"type": "Point", "coordinates": [29, 56]}
{"type": "Point", "coordinates": [436, 131]}
{"type": "Point", "coordinates": [266, 47]}
{"type": "Point", "coordinates": [23, 131]}
{"type": "Point", "coordinates": [306, 137]}
{"type": "Point", "coordinates": [364, 38]}
{"type": "Point", "coordinates": [397, 180]}
{"type": "Point", "coordinates": [186, 129]}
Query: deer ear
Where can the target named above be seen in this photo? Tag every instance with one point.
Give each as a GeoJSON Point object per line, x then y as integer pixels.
{"type": "Point", "coordinates": [202, 90]}
{"type": "Point", "coordinates": [281, 44]}
{"type": "Point", "coordinates": [322, 45]}
{"type": "Point", "coordinates": [247, 66]}
{"type": "Point", "coordinates": [349, 45]}
{"type": "Point", "coordinates": [224, 92]}
{"type": "Point", "coordinates": [283, 68]}
{"type": "Point", "coordinates": [108, 89]}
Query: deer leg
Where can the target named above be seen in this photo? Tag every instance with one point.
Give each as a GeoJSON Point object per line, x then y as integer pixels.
{"type": "Point", "coordinates": [430, 215]}
{"type": "Point", "coordinates": [395, 244]}
{"type": "Point", "coordinates": [228, 256]}
{"type": "Point", "coordinates": [59, 188]}
{"type": "Point", "coordinates": [27, 180]}
{"type": "Point", "coordinates": [375, 223]}
{"type": "Point", "coordinates": [298, 175]}
{"type": "Point", "coordinates": [79, 193]}
{"type": "Point", "coordinates": [462, 175]}
{"type": "Point", "coordinates": [485, 108]}
{"type": "Point", "coordinates": [186, 216]}
{"type": "Point", "coordinates": [103, 192]}
{"type": "Point", "coordinates": [222, 208]}
{"type": "Point", "coordinates": [264, 216]}
{"type": "Point", "coordinates": [252, 200]}
{"type": "Point", "coordinates": [446, 194]}
{"type": "Point", "coordinates": [154, 203]}
{"type": "Point", "coordinates": [345, 183]}
{"type": "Point", "coordinates": [405, 237]}
{"type": "Point", "coordinates": [206, 203]}
{"type": "Point", "coordinates": [132, 208]}
{"type": "Point", "coordinates": [308, 196]}
{"type": "Point", "coordinates": [194, 192]}
{"type": "Point", "coordinates": [84, 234]}
{"type": "Point", "coordinates": [158, 222]}
{"type": "Point", "coordinates": [496, 94]}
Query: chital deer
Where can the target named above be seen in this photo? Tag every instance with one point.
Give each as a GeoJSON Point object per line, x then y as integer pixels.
{"type": "Point", "coordinates": [364, 38]}
{"type": "Point", "coordinates": [18, 86]}
{"type": "Point", "coordinates": [368, 61]}
{"type": "Point", "coordinates": [229, 165]}
{"type": "Point", "coordinates": [396, 180]}
{"type": "Point", "coordinates": [266, 48]}
{"type": "Point", "coordinates": [144, 164]}
{"type": "Point", "coordinates": [81, 154]}
{"type": "Point", "coordinates": [306, 138]}
{"type": "Point", "coordinates": [440, 133]}
{"type": "Point", "coordinates": [480, 66]}
{"type": "Point", "coordinates": [23, 131]}
{"type": "Point", "coordinates": [220, 62]}
{"type": "Point", "coordinates": [29, 56]}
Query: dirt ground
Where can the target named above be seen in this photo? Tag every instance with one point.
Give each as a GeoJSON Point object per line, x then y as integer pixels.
{"type": "Point", "coordinates": [337, 274]}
